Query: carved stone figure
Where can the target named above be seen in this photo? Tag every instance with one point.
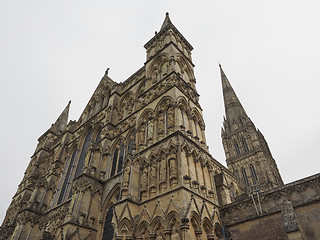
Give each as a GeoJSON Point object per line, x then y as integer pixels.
{"type": "Point", "coordinates": [142, 135]}
{"type": "Point", "coordinates": [170, 117]}
{"type": "Point", "coordinates": [161, 122]}
{"type": "Point", "coordinates": [150, 129]}
{"type": "Point", "coordinates": [88, 158]}
{"type": "Point", "coordinates": [153, 174]}
{"type": "Point", "coordinates": [163, 170]}
{"type": "Point", "coordinates": [144, 180]}
{"type": "Point", "coordinates": [126, 176]}
{"type": "Point", "coordinates": [173, 167]}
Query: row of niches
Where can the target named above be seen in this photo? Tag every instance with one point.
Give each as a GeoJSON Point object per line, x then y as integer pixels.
{"type": "Point", "coordinates": [165, 39]}
{"type": "Point", "coordinates": [169, 116]}
{"type": "Point", "coordinates": [120, 109]}
{"type": "Point", "coordinates": [132, 102]}
{"type": "Point", "coordinates": [166, 63]}
{"type": "Point", "coordinates": [198, 171]}
{"type": "Point", "coordinates": [172, 226]}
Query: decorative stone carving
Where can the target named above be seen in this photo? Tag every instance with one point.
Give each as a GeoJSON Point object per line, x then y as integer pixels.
{"type": "Point", "coordinates": [126, 176]}
{"type": "Point", "coordinates": [153, 174]}
{"type": "Point", "coordinates": [163, 169]}
{"type": "Point", "coordinates": [144, 180]}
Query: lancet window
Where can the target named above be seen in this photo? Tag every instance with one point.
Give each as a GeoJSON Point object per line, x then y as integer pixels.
{"type": "Point", "coordinates": [73, 168]}
{"type": "Point", "coordinates": [245, 177]}
{"type": "Point", "coordinates": [70, 166]}
{"type": "Point", "coordinates": [245, 145]}
{"type": "Point", "coordinates": [117, 159]}
{"type": "Point", "coordinates": [253, 174]}
{"type": "Point", "coordinates": [83, 153]}
{"type": "Point", "coordinates": [236, 146]}
{"type": "Point", "coordinates": [108, 230]}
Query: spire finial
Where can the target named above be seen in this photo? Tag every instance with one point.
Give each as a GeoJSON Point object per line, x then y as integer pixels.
{"type": "Point", "coordinates": [166, 21]}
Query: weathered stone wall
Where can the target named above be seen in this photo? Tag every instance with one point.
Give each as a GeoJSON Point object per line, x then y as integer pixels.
{"type": "Point", "coordinates": [289, 212]}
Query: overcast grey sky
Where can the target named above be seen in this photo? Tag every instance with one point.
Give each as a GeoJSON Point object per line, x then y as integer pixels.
{"type": "Point", "coordinates": [56, 51]}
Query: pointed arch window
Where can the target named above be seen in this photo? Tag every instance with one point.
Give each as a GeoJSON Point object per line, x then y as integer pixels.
{"type": "Point", "coordinates": [98, 138]}
{"type": "Point", "coordinates": [236, 146]}
{"type": "Point", "coordinates": [108, 231]}
{"type": "Point", "coordinates": [253, 174]}
{"type": "Point", "coordinates": [121, 157]}
{"type": "Point", "coordinates": [245, 177]}
{"type": "Point", "coordinates": [245, 145]}
{"type": "Point", "coordinates": [70, 165]}
{"type": "Point", "coordinates": [130, 146]}
{"type": "Point", "coordinates": [117, 161]}
{"type": "Point", "coordinates": [83, 153]}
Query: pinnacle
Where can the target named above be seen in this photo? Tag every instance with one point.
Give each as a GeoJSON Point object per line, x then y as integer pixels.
{"type": "Point", "coordinates": [61, 123]}
{"type": "Point", "coordinates": [166, 21]}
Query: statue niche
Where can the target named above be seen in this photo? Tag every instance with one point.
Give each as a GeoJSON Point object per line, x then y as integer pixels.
{"type": "Point", "coordinates": [163, 172]}
{"type": "Point", "coordinates": [170, 119]}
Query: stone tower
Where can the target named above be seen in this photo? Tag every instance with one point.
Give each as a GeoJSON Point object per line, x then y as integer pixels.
{"type": "Point", "coordinates": [134, 166]}
{"type": "Point", "coordinates": [247, 153]}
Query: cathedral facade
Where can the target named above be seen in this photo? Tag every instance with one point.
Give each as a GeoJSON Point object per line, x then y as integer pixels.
{"type": "Point", "coordinates": [136, 166]}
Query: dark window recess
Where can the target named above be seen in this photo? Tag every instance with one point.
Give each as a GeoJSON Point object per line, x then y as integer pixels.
{"type": "Point", "coordinates": [66, 179]}
{"type": "Point", "coordinates": [114, 162]}
{"type": "Point", "coordinates": [245, 145]}
{"type": "Point", "coordinates": [244, 175]}
{"type": "Point", "coordinates": [98, 137]}
{"type": "Point", "coordinates": [237, 148]}
{"type": "Point", "coordinates": [121, 157]}
{"type": "Point", "coordinates": [108, 231]}
{"type": "Point", "coordinates": [253, 174]}
{"type": "Point", "coordinates": [130, 147]}
{"type": "Point", "coordinates": [84, 150]}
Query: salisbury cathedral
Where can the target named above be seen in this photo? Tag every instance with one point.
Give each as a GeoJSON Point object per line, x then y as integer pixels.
{"type": "Point", "coordinates": [136, 165]}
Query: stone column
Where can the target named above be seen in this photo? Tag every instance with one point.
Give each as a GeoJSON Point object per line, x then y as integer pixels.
{"type": "Point", "coordinates": [152, 236]}
{"type": "Point", "coordinates": [198, 234]}
{"type": "Point", "coordinates": [210, 237]}
{"type": "Point", "coordinates": [167, 234]}
{"type": "Point", "coordinates": [184, 227]}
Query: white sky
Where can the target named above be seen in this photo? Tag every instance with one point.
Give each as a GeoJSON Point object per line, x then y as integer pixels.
{"type": "Point", "coordinates": [56, 51]}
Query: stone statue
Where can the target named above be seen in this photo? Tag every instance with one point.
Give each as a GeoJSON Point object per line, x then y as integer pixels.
{"type": "Point", "coordinates": [126, 176]}
{"type": "Point", "coordinates": [153, 174]}
{"type": "Point", "coordinates": [163, 170]}
{"type": "Point", "coordinates": [144, 180]}
{"type": "Point", "coordinates": [87, 158]}
{"type": "Point", "coordinates": [150, 129]}
{"type": "Point", "coordinates": [161, 122]}
{"type": "Point", "coordinates": [170, 117]}
{"type": "Point", "coordinates": [173, 167]}
{"type": "Point", "coordinates": [142, 135]}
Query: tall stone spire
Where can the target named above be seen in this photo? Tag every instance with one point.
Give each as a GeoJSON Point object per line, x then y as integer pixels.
{"type": "Point", "coordinates": [247, 152]}
{"type": "Point", "coordinates": [62, 121]}
{"type": "Point", "coordinates": [234, 111]}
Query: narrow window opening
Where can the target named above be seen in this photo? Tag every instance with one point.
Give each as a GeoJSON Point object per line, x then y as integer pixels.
{"type": "Point", "coordinates": [244, 175]}
{"type": "Point", "coordinates": [245, 145]}
{"type": "Point", "coordinates": [253, 174]}
{"type": "Point", "coordinates": [237, 149]}
{"type": "Point", "coordinates": [114, 162]}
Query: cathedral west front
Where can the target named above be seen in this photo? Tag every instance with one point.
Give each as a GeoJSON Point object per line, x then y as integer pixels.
{"type": "Point", "coordinates": [136, 165]}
